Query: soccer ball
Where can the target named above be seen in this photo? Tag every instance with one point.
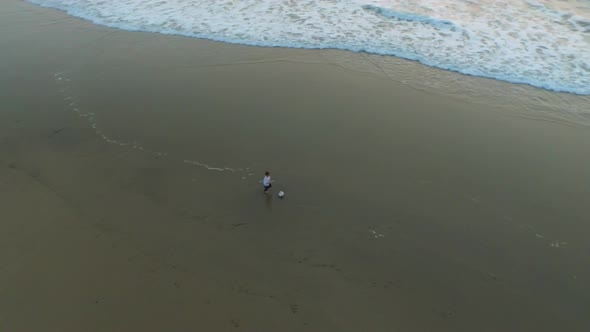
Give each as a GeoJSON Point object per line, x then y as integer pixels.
{"type": "Point", "coordinates": [281, 194]}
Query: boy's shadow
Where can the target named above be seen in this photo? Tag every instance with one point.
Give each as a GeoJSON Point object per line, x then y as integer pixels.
{"type": "Point", "coordinates": [268, 202]}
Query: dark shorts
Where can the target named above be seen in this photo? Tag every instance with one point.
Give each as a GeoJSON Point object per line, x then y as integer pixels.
{"type": "Point", "coordinates": [267, 187]}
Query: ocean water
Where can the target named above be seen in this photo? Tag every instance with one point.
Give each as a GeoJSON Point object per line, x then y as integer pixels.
{"type": "Point", "coordinates": [543, 43]}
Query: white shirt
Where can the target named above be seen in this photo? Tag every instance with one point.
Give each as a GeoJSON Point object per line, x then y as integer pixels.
{"type": "Point", "coordinates": [266, 181]}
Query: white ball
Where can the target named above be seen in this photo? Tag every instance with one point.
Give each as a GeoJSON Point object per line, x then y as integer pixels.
{"type": "Point", "coordinates": [281, 194]}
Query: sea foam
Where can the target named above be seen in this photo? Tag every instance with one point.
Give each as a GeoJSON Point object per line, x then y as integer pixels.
{"type": "Point", "coordinates": [543, 43]}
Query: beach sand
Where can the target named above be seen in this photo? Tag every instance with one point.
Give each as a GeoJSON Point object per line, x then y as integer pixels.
{"type": "Point", "coordinates": [130, 195]}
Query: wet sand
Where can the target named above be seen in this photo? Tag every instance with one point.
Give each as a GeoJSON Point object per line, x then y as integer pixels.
{"type": "Point", "coordinates": [130, 197]}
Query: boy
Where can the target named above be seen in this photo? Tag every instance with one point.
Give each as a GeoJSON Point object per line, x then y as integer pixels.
{"type": "Point", "coordinates": [266, 181]}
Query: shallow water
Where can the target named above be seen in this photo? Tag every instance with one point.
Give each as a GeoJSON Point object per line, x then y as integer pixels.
{"type": "Point", "coordinates": [541, 43]}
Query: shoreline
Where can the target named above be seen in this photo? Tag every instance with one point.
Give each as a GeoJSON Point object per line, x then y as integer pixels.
{"type": "Point", "coordinates": [405, 209]}
{"type": "Point", "coordinates": [232, 41]}
{"type": "Point", "coordinates": [539, 103]}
